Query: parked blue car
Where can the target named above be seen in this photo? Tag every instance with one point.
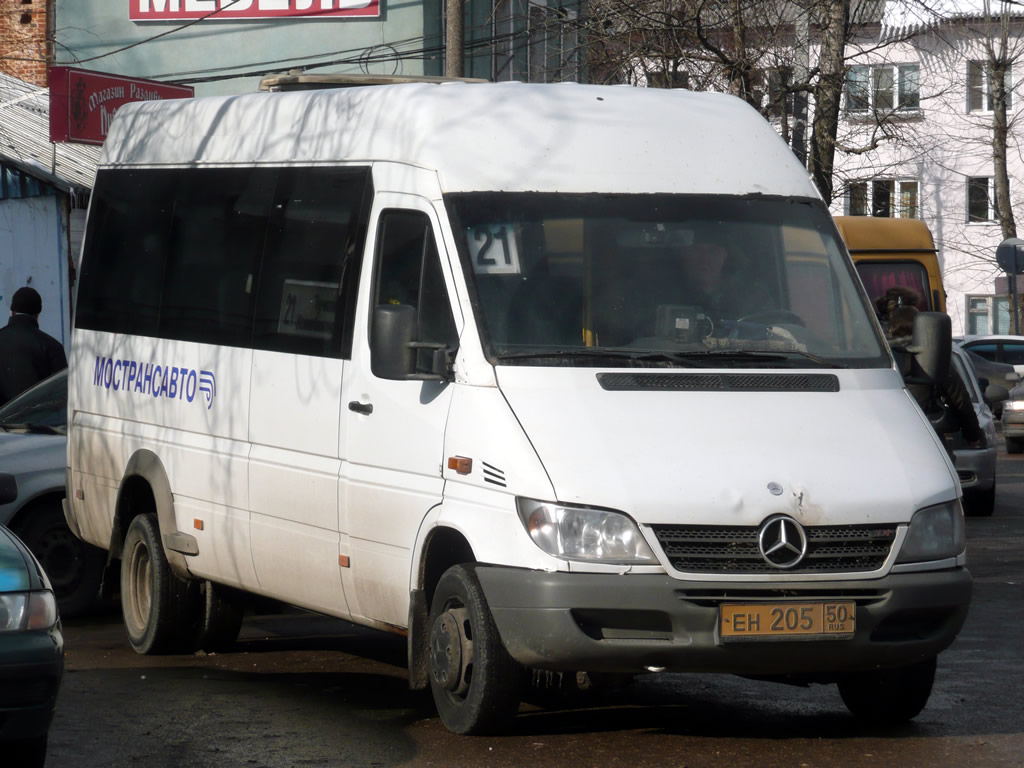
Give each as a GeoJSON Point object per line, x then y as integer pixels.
{"type": "Point", "coordinates": [31, 649]}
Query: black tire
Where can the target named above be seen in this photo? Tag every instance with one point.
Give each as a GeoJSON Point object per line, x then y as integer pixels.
{"type": "Point", "coordinates": [1013, 445]}
{"type": "Point", "coordinates": [980, 503]}
{"type": "Point", "coordinates": [889, 696]}
{"type": "Point", "coordinates": [159, 608]}
{"type": "Point", "coordinates": [74, 568]}
{"type": "Point", "coordinates": [220, 618]}
{"type": "Point", "coordinates": [474, 681]}
{"type": "Point", "coordinates": [25, 753]}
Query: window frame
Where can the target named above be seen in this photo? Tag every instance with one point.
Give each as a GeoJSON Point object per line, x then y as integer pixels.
{"type": "Point", "coordinates": [904, 100]}
{"type": "Point", "coordinates": [897, 204]}
{"type": "Point", "coordinates": [983, 89]}
{"type": "Point", "coordinates": [990, 198]}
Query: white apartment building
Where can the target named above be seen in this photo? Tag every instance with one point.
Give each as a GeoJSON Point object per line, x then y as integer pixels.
{"type": "Point", "coordinates": [920, 94]}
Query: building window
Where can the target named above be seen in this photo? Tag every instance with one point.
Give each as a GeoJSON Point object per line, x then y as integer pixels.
{"type": "Point", "coordinates": [779, 98]}
{"type": "Point", "coordinates": [893, 198]}
{"type": "Point", "coordinates": [979, 86]}
{"type": "Point", "coordinates": [528, 40]}
{"type": "Point", "coordinates": [979, 199]}
{"type": "Point", "coordinates": [977, 315]}
{"type": "Point", "coordinates": [883, 89]}
{"type": "Point", "coordinates": [985, 315]}
{"type": "Point", "coordinates": [15, 184]}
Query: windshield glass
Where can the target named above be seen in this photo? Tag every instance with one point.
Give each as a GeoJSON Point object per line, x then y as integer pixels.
{"type": "Point", "coordinates": [661, 280]}
{"type": "Point", "coordinates": [43, 406]}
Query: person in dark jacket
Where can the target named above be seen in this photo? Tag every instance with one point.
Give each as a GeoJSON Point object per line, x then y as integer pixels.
{"type": "Point", "coordinates": [952, 396]}
{"type": "Point", "coordinates": [27, 354]}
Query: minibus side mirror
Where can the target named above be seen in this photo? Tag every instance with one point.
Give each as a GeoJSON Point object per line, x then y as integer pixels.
{"type": "Point", "coordinates": [931, 347]}
{"type": "Point", "coordinates": [394, 350]}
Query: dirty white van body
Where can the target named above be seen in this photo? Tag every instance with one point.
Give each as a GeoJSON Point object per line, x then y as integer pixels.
{"type": "Point", "coordinates": [571, 468]}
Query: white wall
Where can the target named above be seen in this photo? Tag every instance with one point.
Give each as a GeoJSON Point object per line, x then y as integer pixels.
{"type": "Point", "coordinates": [941, 147]}
{"type": "Point", "coordinates": [33, 251]}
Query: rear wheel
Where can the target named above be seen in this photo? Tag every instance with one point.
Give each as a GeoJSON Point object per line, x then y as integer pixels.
{"type": "Point", "coordinates": [980, 503]}
{"type": "Point", "coordinates": [220, 618]}
{"type": "Point", "coordinates": [74, 568]}
{"type": "Point", "coordinates": [473, 679]}
{"type": "Point", "coordinates": [889, 696]}
{"type": "Point", "coordinates": [158, 607]}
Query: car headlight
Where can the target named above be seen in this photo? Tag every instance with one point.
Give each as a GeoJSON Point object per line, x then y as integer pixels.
{"type": "Point", "coordinates": [1013, 405]}
{"type": "Point", "coordinates": [581, 533]}
{"type": "Point", "coordinates": [935, 533]}
{"type": "Point", "coordinates": [21, 611]}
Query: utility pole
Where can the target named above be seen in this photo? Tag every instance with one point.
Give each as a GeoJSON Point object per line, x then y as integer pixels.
{"type": "Point", "coordinates": [454, 50]}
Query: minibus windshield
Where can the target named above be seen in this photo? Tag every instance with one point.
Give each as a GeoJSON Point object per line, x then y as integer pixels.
{"type": "Point", "coordinates": [661, 280]}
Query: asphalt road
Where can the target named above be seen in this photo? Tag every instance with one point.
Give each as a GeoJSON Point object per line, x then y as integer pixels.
{"type": "Point", "coordinates": [302, 690]}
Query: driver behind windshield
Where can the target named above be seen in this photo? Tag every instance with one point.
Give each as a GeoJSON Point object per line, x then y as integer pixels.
{"type": "Point", "coordinates": [715, 278]}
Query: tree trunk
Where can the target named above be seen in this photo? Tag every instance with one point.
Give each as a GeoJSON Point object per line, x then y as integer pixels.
{"type": "Point", "coordinates": [828, 96]}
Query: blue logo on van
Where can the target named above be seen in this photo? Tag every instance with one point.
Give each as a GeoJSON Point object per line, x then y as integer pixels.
{"type": "Point", "coordinates": [208, 386]}
{"type": "Point", "coordinates": [156, 380]}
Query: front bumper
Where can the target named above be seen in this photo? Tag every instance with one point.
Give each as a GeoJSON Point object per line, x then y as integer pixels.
{"type": "Point", "coordinates": [628, 623]}
{"type": "Point", "coordinates": [31, 667]}
{"type": "Point", "coordinates": [976, 468]}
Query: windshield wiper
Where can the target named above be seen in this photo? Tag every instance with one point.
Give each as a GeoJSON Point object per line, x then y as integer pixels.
{"type": "Point", "coordinates": [703, 358]}
{"type": "Point", "coordinates": [639, 356]}
{"type": "Point", "coordinates": [42, 429]}
{"type": "Point", "coordinates": [744, 355]}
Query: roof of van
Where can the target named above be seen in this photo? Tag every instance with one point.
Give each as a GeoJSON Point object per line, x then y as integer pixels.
{"type": "Point", "coordinates": [881, 233]}
{"type": "Point", "coordinates": [562, 137]}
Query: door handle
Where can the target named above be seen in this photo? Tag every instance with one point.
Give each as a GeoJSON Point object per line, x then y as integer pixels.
{"type": "Point", "coordinates": [364, 408]}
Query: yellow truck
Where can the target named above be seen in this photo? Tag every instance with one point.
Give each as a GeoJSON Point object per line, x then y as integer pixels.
{"type": "Point", "coordinates": [895, 252]}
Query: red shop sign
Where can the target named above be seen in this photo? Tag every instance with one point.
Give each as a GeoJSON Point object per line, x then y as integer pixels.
{"type": "Point", "coordinates": [82, 103]}
{"type": "Point", "coordinates": [226, 10]}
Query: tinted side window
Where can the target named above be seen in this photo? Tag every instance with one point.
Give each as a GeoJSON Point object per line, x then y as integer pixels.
{"type": "Point", "coordinates": [316, 232]}
{"type": "Point", "coordinates": [122, 268]}
{"type": "Point", "coordinates": [231, 256]}
{"type": "Point", "coordinates": [212, 254]}
{"type": "Point", "coordinates": [409, 272]}
{"type": "Point", "coordinates": [987, 350]}
{"type": "Point", "coordinates": [1013, 353]}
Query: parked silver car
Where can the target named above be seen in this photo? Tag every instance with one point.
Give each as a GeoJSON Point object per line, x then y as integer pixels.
{"type": "Point", "coordinates": [33, 449]}
{"type": "Point", "coordinates": [976, 466]}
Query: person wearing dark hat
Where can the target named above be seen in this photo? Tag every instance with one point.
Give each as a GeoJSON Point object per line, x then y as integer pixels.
{"type": "Point", "coordinates": [27, 354]}
{"type": "Point", "coordinates": [951, 397]}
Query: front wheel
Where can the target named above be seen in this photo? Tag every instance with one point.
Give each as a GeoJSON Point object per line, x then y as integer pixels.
{"type": "Point", "coordinates": [1014, 444]}
{"type": "Point", "coordinates": [158, 607]}
{"type": "Point", "coordinates": [473, 679]}
{"type": "Point", "coordinates": [889, 696]}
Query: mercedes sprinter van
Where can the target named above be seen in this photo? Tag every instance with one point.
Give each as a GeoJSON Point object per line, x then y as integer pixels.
{"type": "Point", "coordinates": [543, 377]}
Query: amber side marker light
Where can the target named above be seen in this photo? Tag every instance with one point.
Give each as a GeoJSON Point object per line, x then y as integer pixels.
{"type": "Point", "coordinates": [197, 524]}
{"type": "Point", "coordinates": [343, 561]}
{"type": "Point", "coordinates": [460, 464]}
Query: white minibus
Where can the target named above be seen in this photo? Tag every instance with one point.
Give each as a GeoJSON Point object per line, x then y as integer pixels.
{"type": "Point", "coordinates": [554, 377]}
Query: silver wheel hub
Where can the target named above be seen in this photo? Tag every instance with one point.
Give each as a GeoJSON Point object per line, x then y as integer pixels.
{"type": "Point", "coordinates": [451, 651]}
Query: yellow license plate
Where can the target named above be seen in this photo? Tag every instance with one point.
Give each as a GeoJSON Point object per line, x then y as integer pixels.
{"type": "Point", "coordinates": [802, 621]}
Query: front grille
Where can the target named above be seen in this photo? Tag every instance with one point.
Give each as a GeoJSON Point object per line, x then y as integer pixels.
{"type": "Point", "coordinates": [733, 549]}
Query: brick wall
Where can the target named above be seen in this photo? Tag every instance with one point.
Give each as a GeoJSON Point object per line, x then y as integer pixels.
{"type": "Point", "coordinates": [23, 39]}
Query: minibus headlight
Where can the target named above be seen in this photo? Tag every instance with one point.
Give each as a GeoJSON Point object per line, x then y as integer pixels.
{"type": "Point", "coordinates": [579, 533]}
{"type": "Point", "coordinates": [935, 534]}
